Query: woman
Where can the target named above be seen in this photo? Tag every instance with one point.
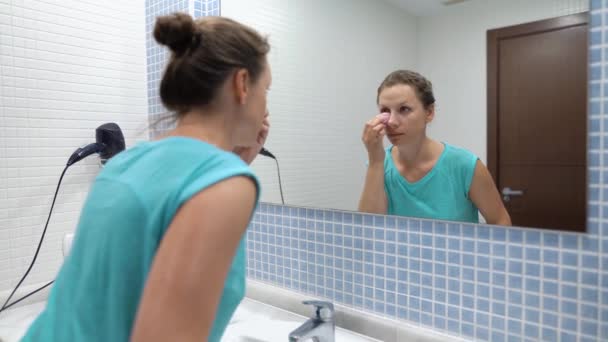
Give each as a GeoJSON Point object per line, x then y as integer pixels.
{"type": "Point", "coordinates": [418, 176]}
{"type": "Point", "coordinates": [158, 253]}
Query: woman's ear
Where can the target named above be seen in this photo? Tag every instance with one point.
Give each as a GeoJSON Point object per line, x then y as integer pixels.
{"type": "Point", "coordinates": [430, 113]}
{"type": "Point", "coordinates": [241, 85]}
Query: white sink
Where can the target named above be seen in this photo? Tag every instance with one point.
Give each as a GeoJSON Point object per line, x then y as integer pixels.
{"type": "Point", "coordinates": [261, 330]}
{"type": "Point", "coordinates": [258, 322]}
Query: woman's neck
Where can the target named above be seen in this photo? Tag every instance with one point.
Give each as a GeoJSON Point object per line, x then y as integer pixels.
{"type": "Point", "coordinates": [212, 128]}
{"type": "Point", "coordinates": [416, 153]}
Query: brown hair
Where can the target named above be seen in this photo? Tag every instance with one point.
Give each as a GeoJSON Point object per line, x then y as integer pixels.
{"type": "Point", "coordinates": [204, 53]}
{"type": "Point", "coordinates": [422, 86]}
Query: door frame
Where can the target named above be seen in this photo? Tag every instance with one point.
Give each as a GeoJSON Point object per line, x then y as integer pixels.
{"type": "Point", "coordinates": [493, 38]}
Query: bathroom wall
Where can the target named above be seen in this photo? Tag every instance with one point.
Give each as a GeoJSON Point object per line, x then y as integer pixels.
{"type": "Point", "coordinates": [321, 97]}
{"type": "Point", "coordinates": [66, 67]}
{"type": "Point", "coordinates": [441, 48]}
{"type": "Point", "coordinates": [474, 281]}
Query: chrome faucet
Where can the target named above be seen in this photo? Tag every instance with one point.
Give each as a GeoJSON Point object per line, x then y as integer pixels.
{"type": "Point", "coordinates": [320, 328]}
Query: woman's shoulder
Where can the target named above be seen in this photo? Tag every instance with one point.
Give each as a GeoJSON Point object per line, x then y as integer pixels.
{"type": "Point", "coordinates": [184, 150]}
{"type": "Point", "coordinates": [172, 158]}
{"type": "Point", "coordinates": [457, 157]}
{"type": "Point", "coordinates": [459, 153]}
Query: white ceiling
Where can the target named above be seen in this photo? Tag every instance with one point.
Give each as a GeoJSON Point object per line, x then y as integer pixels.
{"type": "Point", "coordinates": [422, 7]}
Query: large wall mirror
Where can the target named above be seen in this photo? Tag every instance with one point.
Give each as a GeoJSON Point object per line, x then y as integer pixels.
{"type": "Point", "coordinates": [506, 123]}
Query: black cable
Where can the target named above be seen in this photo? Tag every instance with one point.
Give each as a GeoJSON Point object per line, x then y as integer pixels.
{"type": "Point", "coordinates": [265, 152]}
{"type": "Point", "coordinates": [280, 185]}
{"type": "Point", "coordinates": [29, 294]}
{"type": "Point", "coordinates": [4, 307]}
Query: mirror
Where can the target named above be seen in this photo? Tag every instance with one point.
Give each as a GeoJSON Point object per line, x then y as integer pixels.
{"type": "Point", "coordinates": [509, 81]}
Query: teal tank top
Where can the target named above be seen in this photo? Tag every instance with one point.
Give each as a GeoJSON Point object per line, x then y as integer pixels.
{"type": "Point", "coordinates": [128, 209]}
{"type": "Point", "coordinates": [443, 193]}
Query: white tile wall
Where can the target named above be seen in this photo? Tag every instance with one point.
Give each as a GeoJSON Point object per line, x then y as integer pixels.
{"type": "Point", "coordinates": [66, 67]}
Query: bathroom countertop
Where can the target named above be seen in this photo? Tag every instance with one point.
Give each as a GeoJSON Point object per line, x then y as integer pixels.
{"type": "Point", "coordinates": [14, 322]}
{"type": "Point", "coordinates": [252, 321]}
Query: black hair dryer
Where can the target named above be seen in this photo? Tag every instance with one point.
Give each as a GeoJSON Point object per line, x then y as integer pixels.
{"type": "Point", "coordinates": [110, 135]}
{"type": "Point", "coordinates": [109, 141]}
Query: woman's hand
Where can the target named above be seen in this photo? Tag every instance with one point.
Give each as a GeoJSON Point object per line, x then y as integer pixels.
{"type": "Point", "coordinates": [249, 153]}
{"type": "Point", "coordinates": [373, 135]}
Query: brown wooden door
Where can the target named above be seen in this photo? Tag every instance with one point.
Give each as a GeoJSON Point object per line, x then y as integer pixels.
{"type": "Point", "coordinates": [537, 120]}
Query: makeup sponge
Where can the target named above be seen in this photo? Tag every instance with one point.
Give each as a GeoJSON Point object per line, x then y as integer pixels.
{"type": "Point", "coordinates": [384, 117]}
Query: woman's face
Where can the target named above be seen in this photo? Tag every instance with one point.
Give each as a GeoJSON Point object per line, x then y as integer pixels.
{"type": "Point", "coordinates": [254, 109]}
{"type": "Point", "coordinates": [408, 117]}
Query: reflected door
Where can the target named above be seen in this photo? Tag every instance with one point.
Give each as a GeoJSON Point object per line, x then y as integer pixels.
{"type": "Point", "coordinates": [537, 116]}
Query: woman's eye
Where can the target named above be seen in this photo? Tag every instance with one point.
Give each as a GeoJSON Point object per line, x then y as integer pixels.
{"type": "Point", "coordinates": [405, 109]}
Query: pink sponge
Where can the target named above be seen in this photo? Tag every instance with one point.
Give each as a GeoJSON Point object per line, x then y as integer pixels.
{"type": "Point", "coordinates": [384, 117]}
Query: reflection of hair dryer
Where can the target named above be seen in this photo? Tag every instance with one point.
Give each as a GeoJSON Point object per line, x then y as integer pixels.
{"type": "Point", "coordinates": [267, 153]}
{"type": "Point", "coordinates": [109, 141]}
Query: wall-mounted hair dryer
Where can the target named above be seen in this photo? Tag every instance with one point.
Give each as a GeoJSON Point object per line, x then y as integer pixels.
{"type": "Point", "coordinates": [109, 141]}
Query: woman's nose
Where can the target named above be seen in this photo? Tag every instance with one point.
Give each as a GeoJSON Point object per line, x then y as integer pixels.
{"type": "Point", "coordinates": [393, 121]}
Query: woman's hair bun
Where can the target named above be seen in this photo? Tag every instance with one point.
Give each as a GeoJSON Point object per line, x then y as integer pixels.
{"type": "Point", "coordinates": [176, 31]}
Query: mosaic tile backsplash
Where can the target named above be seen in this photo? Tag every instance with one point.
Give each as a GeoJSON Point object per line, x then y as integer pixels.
{"type": "Point", "coordinates": [486, 282]}
{"type": "Point", "coordinates": [480, 282]}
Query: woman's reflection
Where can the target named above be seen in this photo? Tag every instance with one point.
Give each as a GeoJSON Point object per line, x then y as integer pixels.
{"type": "Point", "coordinates": [417, 176]}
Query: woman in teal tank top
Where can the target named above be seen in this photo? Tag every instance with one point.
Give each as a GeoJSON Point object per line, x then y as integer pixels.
{"type": "Point", "coordinates": [418, 176]}
{"type": "Point", "coordinates": [158, 253]}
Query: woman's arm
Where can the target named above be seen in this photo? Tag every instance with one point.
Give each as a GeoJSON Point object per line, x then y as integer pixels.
{"type": "Point", "coordinates": [373, 198]}
{"type": "Point", "coordinates": [484, 194]}
{"type": "Point", "coordinates": [187, 277]}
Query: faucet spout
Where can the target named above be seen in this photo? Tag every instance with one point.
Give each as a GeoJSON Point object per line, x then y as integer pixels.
{"type": "Point", "coordinates": [320, 328]}
{"type": "Point", "coordinates": [314, 329]}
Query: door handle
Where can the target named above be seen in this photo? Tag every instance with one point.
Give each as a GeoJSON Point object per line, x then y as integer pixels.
{"type": "Point", "coordinates": [508, 192]}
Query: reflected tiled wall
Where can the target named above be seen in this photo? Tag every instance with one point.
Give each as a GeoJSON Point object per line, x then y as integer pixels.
{"type": "Point", "coordinates": [477, 281]}
{"type": "Point", "coordinates": [204, 8]}
{"type": "Point", "coordinates": [157, 55]}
